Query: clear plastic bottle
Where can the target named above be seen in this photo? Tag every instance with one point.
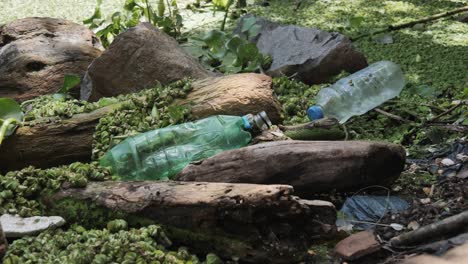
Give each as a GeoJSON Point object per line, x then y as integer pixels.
{"type": "Point", "coordinates": [162, 153]}
{"type": "Point", "coordinates": [359, 92]}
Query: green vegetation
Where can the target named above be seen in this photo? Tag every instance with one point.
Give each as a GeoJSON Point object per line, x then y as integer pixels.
{"type": "Point", "coordinates": [229, 53]}
{"type": "Point", "coordinates": [134, 12]}
{"type": "Point", "coordinates": [22, 190]}
{"type": "Point", "coordinates": [112, 245]}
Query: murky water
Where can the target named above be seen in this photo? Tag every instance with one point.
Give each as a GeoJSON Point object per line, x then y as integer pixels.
{"type": "Point", "coordinates": [78, 10]}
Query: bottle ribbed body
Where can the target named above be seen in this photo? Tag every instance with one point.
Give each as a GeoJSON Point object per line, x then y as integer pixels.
{"type": "Point", "coordinates": [162, 153]}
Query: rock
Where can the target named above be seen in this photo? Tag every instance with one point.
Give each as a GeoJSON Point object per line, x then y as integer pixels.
{"type": "Point", "coordinates": [3, 243]}
{"type": "Point", "coordinates": [457, 255]}
{"type": "Point", "coordinates": [312, 54]}
{"type": "Point", "coordinates": [447, 162]}
{"type": "Point", "coordinates": [137, 59]}
{"type": "Point", "coordinates": [36, 53]}
{"type": "Point", "coordinates": [16, 226]}
{"type": "Point", "coordinates": [357, 245]}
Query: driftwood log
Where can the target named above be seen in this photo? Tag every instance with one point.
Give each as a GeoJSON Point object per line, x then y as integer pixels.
{"type": "Point", "coordinates": [51, 144]}
{"type": "Point", "coordinates": [255, 223]}
{"type": "Point", "coordinates": [36, 54]}
{"type": "Point", "coordinates": [310, 167]}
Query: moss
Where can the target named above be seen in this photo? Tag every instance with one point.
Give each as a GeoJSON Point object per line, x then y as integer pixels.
{"type": "Point", "coordinates": [83, 212]}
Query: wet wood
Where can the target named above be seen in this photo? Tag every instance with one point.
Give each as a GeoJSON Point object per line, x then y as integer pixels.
{"type": "Point", "coordinates": [256, 223]}
{"type": "Point", "coordinates": [310, 167]}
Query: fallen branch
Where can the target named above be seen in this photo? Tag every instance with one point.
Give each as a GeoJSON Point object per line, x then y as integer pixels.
{"type": "Point", "coordinates": [412, 23]}
{"type": "Point", "coordinates": [392, 116]}
{"type": "Point", "coordinates": [436, 231]}
{"type": "Point", "coordinates": [322, 129]}
{"type": "Point", "coordinates": [447, 111]}
{"type": "Point", "coordinates": [256, 223]}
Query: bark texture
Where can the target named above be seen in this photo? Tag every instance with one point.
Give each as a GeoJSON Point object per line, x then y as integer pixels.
{"type": "Point", "coordinates": [36, 53]}
{"type": "Point", "coordinates": [237, 94]}
{"type": "Point", "coordinates": [310, 167]}
{"type": "Point", "coordinates": [51, 144]}
{"type": "Point", "coordinates": [257, 223]}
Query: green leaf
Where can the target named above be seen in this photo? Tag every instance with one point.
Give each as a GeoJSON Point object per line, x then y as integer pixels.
{"type": "Point", "coordinates": [247, 53]}
{"type": "Point", "coordinates": [234, 43]}
{"type": "Point", "coordinates": [222, 3]}
{"type": "Point", "coordinates": [248, 23]}
{"type": "Point", "coordinates": [426, 91]}
{"type": "Point", "coordinates": [129, 5]}
{"type": "Point", "coordinates": [176, 112]}
{"type": "Point", "coordinates": [69, 82]}
{"type": "Point", "coordinates": [355, 22]}
{"type": "Point", "coordinates": [10, 115]}
{"type": "Point", "coordinates": [254, 31]}
{"type": "Point", "coordinates": [96, 15]}
{"type": "Point", "coordinates": [9, 108]}
{"type": "Point", "coordinates": [215, 40]}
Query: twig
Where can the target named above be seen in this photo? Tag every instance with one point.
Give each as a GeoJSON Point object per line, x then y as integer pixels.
{"type": "Point", "coordinates": [455, 128]}
{"type": "Point", "coordinates": [412, 23]}
{"type": "Point", "coordinates": [392, 116]}
{"type": "Point", "coordinates": [446, 112]}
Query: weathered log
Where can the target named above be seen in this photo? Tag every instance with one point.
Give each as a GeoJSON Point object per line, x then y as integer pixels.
{"type": "Point", "coordinates": [51, 144]}
{"type": "Point", "coordinates": [310, 167]}
{"type": "Point", "coordinates": [256, 223]}
{"type": "Point", "coordinates": [36, 54]}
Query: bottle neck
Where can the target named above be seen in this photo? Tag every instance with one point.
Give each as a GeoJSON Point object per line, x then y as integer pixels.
{"type": "Point", "coordinates": [259, 122]}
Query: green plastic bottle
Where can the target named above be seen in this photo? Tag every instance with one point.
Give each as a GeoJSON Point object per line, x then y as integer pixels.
{"type": "Point", "coordinates": [162, 153]}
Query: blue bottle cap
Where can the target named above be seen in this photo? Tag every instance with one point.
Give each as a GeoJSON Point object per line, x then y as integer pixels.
{"type": "Point", "coordinates": [247, 124]}
{"type": "Point", "coordinates": [315, 112]}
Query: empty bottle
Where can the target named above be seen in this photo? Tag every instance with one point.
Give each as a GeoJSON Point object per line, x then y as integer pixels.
{"type": "Point", "coordinates": [162, 153]}
{"type": "Point", "coordinates": [359, 92]}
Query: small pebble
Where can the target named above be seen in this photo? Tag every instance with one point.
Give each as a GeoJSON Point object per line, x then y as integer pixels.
{"type": "Point", "coordinates": [447, 162]}
{"type": "Point", "coordinates": [425, 200]}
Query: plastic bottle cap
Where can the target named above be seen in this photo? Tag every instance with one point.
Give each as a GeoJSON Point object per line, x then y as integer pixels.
{"type": "Point", "coordinates": [247, 124]}
{"type": "Point", "coordinates": [315, 112]}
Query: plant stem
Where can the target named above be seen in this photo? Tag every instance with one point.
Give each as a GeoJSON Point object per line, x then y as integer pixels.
{"type": "Point", "coordinates": [5, 126]}
{"type": "Point", "coordinates": [148, 10]}
{"type": "Point", "coordinates": [226, 15]}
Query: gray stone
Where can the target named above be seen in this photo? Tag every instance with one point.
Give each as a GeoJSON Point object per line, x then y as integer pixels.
{"type": "Point", "coordinates": [139, 58]}
{"type": "Point", "coordinates": [310, 54]}
{"type": "Point", "coordinates": [16, 226]}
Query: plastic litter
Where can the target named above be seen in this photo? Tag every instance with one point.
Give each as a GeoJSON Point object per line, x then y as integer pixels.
{"type": "Point", "coordinates": [364, 212]}
{"type": "Point", "coordinates": [359, 92]}
{"type": "Point", "coordinates": [162, 153]}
